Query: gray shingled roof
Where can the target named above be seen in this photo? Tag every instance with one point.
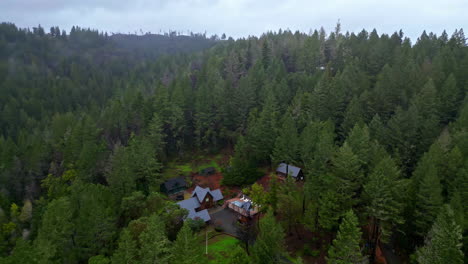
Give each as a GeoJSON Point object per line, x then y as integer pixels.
{"type": "Point", "coordinates": [217, 195]}
{"type": "Point", "coordinates": [189, 204]}
{"type": "Point", "coordinates": [292, 170]}
{"type": "Point", "coordinates": [203, 214]}
{"type": "Point", "coordinates": [201, 193]}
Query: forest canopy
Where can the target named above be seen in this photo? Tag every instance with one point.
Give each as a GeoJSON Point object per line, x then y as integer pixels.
{"type": "Point", "coordinates": [89, 121]}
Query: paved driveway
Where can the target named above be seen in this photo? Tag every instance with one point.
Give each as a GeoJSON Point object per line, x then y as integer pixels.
{"type": "Point", "coordinates": [227, 219]}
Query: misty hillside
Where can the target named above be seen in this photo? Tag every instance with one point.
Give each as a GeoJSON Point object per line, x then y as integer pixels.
{"type": "Point", "coordinates": [154, 44]}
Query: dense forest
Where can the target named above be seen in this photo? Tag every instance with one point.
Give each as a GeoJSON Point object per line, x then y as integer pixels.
{"type": "Point", "coordinates": [89, 122]}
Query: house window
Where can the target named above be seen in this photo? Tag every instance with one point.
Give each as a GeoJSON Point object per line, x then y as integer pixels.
{"type": "Point", "coordinates": [207, 199]}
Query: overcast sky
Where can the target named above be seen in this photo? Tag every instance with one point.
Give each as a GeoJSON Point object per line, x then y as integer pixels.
{"type": "Point", "coordinates": [240, 18]}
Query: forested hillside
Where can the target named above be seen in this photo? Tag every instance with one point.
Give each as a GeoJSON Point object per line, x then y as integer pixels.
{"type": "Point", "coordinates": [88, 123]}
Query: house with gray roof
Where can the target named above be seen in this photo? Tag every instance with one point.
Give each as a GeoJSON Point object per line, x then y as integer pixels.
{"type": "Point", "coordinates": [284, 170]}
{"type": "Point", "coordinates": [200, 201]}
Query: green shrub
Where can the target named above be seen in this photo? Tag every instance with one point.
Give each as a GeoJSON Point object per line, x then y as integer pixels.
{"type": "Point", "coordinates": [195, 225]}
{"type": "Point", "coordinates": [307, 250]}
{"type": "Point", "coordinates": [315, 253]}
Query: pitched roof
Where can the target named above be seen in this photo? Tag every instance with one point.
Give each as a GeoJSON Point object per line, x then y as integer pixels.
{"type": "Point", "coordinates": [217, 195]}
{"type": "Point", "coordinates": [190, 205]}
{"type": "Point", "coordinates": [201, 193]}
{"type": "Point", "coordinates": [292, 170]}
{"type": "Point", "coordinates": [174, 183]}
{"type": "Point", "coordinates": [203, 214]}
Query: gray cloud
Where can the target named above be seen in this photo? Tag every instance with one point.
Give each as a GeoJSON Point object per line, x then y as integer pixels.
{"type": "Point", "coordinates": [239, 18]}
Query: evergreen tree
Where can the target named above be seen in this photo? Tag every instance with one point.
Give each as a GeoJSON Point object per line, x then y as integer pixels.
{"type": "Point", "coordinates": [329, 209]}
{"type": "Point", "coordinates": [127, 252]}
{"type": "Point", "coordinates": [287, 143]}
{"type": "Point", "coordinates": [428, 201]}
{"type": "Point", "coordinates": [261, 133]}
{"type": "Point", "coordinates": [348, 174]}
{"type": "Point", "coordinates": [359, 141]}
{"type": "Point", "coordinates": [449, 95]}
{"type": "Point", "coordinates": [353, 115]}
{"type": "Point", "coordinates": [241, 168]}
{"type": "Point", "coordinates": [383, 203]}
{"type": "Point", "coordinates": [377, 130]}
{"type": "Point", "coordinates": [290, 204]}
{"type": "Point", "coordinates": [266, 54]}
{"type": "Point", "coordinates": [238, 256]}
{"type": "Point", "coordinates": [55, 238]}
{"type": "Point", "coordinates": [269, 245]}
{"type": "Point", "coordinates": [94, 219]}
{"type": "Point", "coordinates": [154, 245]}
{"type": "Point", "coordinates": [157, 137]}
{"type": "Point", "coordinates": [345, 247]}
{"type": "Point", "coordinates": [186, 248]}
{"type": "Point", "coordinates": [443, 243]}
{"type": "Point", "coordinates": [317, 146]}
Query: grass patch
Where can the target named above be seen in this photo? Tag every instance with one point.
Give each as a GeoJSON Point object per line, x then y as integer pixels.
{"type": "Point", "coordinates": [207, 165]}
{"type": "Point", "coordinates": [197, 163]}
{"type": "Point", "coordinates": [173, 169]}
{"type": "Point", "coordinates": [225, 243]}
{"type": "Point", "coordinates": [219, 248]}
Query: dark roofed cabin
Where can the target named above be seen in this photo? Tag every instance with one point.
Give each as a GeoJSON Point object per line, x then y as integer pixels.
{"type": "Point", "coordinates": [208, 171]}
{"type": "Point", "coordinates": [284, 170]}
{"type": "Point", "coordinates": [174, 186]}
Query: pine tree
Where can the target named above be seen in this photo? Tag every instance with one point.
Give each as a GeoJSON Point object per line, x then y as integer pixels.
{"type": "Point", "coordinates": [287, 143]}
{"type": "Point", "coordinates": [120, 176]}
{"type": "Point", "coordinates": [345, 248]}
{"type": "Point", "coordinates": [443, 243]}
{"type": "Point", "coordinates": [377, 130]}
{"type": "Point", "coordinates": [359, 141]}
{"type": "Point", "coordinates": [428, 201]}
{"type": "Point", "coordinates": [383, 205]}
{"type": "Point", "coordinates": [94, 219]}
{"type": "Point", "coordinates": [403, 136]}
{"type": "Point", "coordinates": [157, 137]}
{"type": "Point", "coordinates": [329, 209]}
{"type": "Point", "coordinates": [347, 171]}
{"type": "Point", "coordinates": [242, 169]}
{"type": "Point", "coordinates": [154, 245]}
{"type": "Point", "coordinates": [354, 115]}
{"type": "Point", "coordinates": [186, 248]}
{"type": "Point", "coordinates": [317, 146]}
{"type": "Point", "coordinates": [54, 241]}
{"type": "Point", "coordinates": [269, 244]}
{"type": "Point", "coordinates": [290, 204]}
{"type": "Point", "coordinates": [261, 134]}
{"type": "Point", "coordinates": [266, 54]}
{"type": "Point", "coordinates": [127, 252]}
{"type": "Point", "coordinates": [238, 256]}
{"type": "Point", "coordinates": [449, 95]}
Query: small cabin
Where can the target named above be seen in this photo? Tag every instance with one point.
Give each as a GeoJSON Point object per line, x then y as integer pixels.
{"type": "Point", "coordinates": [174, 187]}
{"type": "Point", "coordinates": [285, 169]}
{"type": "Point", "coordinates": [208, 171]}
